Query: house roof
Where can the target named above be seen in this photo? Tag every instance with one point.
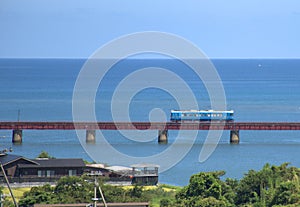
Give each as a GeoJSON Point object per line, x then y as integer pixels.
{"type": "Point", "coordinates": [49, 163]}
{"type": "Point", "coordinates": [119, 168]}
{"type": "Point", "coordinates": [6, 159]}
{"type": "Point", "coordinates": [143, 165]}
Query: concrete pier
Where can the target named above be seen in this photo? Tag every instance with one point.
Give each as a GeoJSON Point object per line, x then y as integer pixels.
{"type": "Point", "coordinates": [17, 136]}
{"type": "Point", "coordinates": [90, 136]}
{"type": "Point", "coordinates": [234, 136]}
{"type": "Point", "coordinates": [163, 136]}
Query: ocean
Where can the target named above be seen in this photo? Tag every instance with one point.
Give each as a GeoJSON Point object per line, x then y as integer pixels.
{"type": "Point", "coordinates": [256, 89]}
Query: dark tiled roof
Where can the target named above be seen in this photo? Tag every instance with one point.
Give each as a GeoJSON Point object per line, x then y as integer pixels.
{"type": "Point", "coordinates": [40, 163]}
{"type": "Point", "coordinates": [60, 162]}
{"type": "Point", "coordinates": [8, 158]}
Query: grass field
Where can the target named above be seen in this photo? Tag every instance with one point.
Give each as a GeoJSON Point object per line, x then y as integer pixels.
{"type": "Point", "coordinates": [167, 188]}
{"type": "Point", "coordinates": [18, 192]}
{"type": "Point", "coordinates": [158, 192]}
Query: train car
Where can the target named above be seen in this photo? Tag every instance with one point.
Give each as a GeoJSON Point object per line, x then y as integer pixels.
{"type": "Point", "coordinates": [201, 115]}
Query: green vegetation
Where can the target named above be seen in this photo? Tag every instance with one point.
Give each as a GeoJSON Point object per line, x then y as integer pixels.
{"type": "Point", "coordinates": [5, 201]}
{"type": "Point", "coordinates": [18, 193]}
{"type": "Point", "coordinates": [81, 190]}
{"type": "Point", "coordinates": [45, 154]}
{"type": "Point", "coordinates": [206, 189]}
{"type": "Point", "coordinates": [271, 186]}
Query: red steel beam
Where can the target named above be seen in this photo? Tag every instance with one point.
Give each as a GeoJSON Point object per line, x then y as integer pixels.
{"type": "Point", "coordinates": [151, 126]}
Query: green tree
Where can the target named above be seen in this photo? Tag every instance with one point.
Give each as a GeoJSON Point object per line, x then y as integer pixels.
{"type": "Point", "coordinates": [67, 190]}
{"type": "Point", "coordinates": [136, 191]}
{"type": "Point", "coordinates": [72, 189]}
{"type": "Point", "coordinates": [165, 202]}
{"type": "Point", "coordinates": [4, 200]}
{"type": "Point", "coordinates": [45, 154]}
{"type": "Point", "coordinates": [113, 193]}
{"type": "Point", "coordinates": [272, 185]}
{"type": "Point", "coordinates": [204, 189]}
{"type": "Point", "coordinates": [287, 193]}
{"type": "Point", "coordinates": [210, 202]}
{"type": "Point", "coordinates": [43, 194]}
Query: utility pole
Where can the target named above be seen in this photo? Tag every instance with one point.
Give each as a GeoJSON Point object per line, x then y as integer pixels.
{"type": "Point", "coordinates": [7, 182]}
{"type": "Point", "coordinates": [95, 192]}
{"type": "Point", "coordinates": [19, 112]}
{"type": "Point", "coordinates": [1, 201]}
{"type": "Point", "coordinates": [96, 185]}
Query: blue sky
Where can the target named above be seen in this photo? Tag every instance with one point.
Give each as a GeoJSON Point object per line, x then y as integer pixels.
{"type": "Point", "coordinates": [222, 29]}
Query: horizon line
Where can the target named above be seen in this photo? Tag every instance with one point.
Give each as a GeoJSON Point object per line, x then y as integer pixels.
{"type": "Point", "coordinates": [159, 58]}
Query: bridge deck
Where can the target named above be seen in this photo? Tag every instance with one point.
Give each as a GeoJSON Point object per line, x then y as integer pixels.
{"type": "Point", "coordinates": [151, 126]}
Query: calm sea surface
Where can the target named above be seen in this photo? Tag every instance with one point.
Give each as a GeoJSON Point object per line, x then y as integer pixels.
{"type": "Point", "coordinates": [256, 89]}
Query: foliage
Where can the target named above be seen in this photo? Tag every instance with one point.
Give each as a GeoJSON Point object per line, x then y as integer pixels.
{"type": "Point", "coordinates": [271, 186]}
{"type": "Point", "coordinates": [165, 202]}
{"type": "Point", "coordinates": [41, 194]}
{"type": "Point", "coordinates": [156, 195]}
{"type": "Point", "coordinates": [88, 162]}
{"type": "Point", "coordinates": [81, 190]}
{"type": "Point", "coordinates": [72, 189]}
{"type": "Point", "coordinates": [4, 200]}
{"type": "Point", "coordinates": [45, 154]}
{"type": "Point", "coordinates": [17, 192]}
{"type": "Point", "coordinates": [206, 189]}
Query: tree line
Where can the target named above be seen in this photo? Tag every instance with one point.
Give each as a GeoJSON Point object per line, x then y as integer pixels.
{"type": "Point", "coordinates": [271, 186]}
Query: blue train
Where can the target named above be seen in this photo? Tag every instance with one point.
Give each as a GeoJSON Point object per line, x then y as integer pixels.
{"type": "Point", "coordinates": [202, 115]}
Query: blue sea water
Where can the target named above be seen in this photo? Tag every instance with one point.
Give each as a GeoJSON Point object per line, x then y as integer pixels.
{"type": "Point", "coordinates": [256, 89]}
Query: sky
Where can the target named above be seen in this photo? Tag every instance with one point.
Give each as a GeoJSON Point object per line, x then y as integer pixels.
{"type": "Point", "coordinates": [221, 29]}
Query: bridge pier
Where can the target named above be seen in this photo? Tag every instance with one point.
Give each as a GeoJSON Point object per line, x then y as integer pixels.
{"type": "Point", "coordinates": [163, 136]}
{"type": "Point", "coordinates": [90, 136]}
{"type": "Point", "coordinates": [17, 136]}
{"type": "Point", "coordinates": [234, 136]}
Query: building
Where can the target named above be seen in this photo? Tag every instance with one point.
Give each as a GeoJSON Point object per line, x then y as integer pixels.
{"type": "Point", "coordinates": [21, 169]}
{"type": "Point", "coordinates": [145, 174]}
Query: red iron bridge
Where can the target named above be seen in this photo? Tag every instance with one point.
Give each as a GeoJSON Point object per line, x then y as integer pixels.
{"type": "Point", "coordinates": [162, 127]}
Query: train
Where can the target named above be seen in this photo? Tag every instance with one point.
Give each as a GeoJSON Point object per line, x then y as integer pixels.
{"type": "Point", "coordinates": [201, 115]}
